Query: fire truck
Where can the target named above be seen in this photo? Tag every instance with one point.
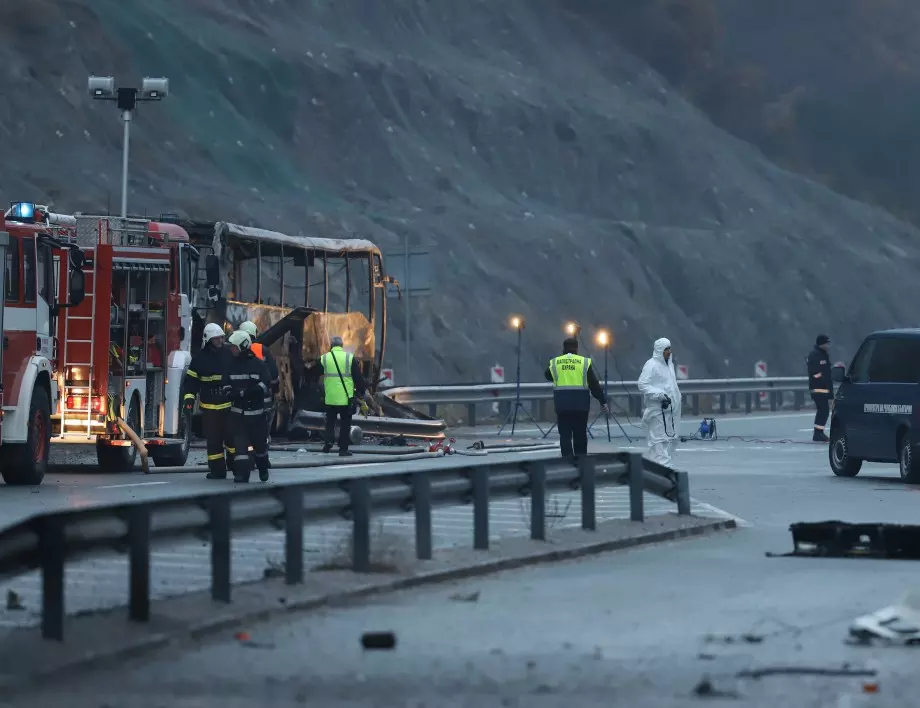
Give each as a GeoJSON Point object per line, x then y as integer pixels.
{"type": "Point", "coordinates": [125, 348]}
{"type": "Point", "coordinates": [32, 251]}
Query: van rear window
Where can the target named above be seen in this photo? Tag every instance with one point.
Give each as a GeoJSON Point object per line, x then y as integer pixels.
{"type": "Point", "coordinates": [895, 361]}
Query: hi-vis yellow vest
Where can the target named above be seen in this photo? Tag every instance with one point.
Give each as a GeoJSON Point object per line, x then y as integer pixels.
{"type": "Point", "coordinates": [335, 393]}
{"type": "Point", "coordinates": [570, 382]}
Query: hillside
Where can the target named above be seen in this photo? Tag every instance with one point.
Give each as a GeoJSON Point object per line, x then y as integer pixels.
{"type": "Point", "coordinates": [550, 172]}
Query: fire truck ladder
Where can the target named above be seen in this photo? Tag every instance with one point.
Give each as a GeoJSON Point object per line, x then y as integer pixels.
{"type": "Point", "coordinates": [91, 296]}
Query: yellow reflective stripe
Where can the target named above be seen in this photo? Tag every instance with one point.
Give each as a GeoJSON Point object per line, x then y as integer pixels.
{"type": "Point", "coordinates": [210, 379]}
{"type": "Point", "coordinates": [214, 406]}
{"type": "Point", "coordinates": [231, 450]}
{"type": "Point", "coordinates": [218, 456]}
{"type": "Point", "coordinates": [189, 395]}
{"type": "Point", "coordinates": [193, 374]}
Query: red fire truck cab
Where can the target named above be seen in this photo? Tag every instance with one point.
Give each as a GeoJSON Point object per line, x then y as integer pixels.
{"type": "Point", "coordinates": [31, 249]}
{"type": "Point", "coordinates": [125, 349]}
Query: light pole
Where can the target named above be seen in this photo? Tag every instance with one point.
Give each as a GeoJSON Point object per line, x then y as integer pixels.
{"type": "Point", "coordinates": [102, 88]}
{"type": "Point", "coordinates": [517, 322]}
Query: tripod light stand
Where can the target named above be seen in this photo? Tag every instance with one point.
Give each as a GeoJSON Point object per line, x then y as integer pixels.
{"type": "Point", "coordinates": [518, 324]}
{"type": "Point", "coordinates": [603, 339]}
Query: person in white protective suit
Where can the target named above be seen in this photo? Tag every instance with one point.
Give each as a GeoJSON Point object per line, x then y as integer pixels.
{"type": "Point", "coordinates": [660, 403]}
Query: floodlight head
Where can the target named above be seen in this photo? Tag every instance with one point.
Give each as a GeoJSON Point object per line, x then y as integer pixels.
{"type": "Point", "coordinates": [572, 329]}
{"type": "Point", "coordinates": [154, 89]}
{"type": "Point", "coordinates": [102, 87]}
{"type": "Point", "coordinates": [603, 338]}
{"type": "Point", "coordinates": [517, 322]}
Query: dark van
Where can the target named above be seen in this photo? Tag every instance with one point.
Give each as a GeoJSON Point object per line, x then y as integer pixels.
{"type": "Point", "coordinates": [877, 404]}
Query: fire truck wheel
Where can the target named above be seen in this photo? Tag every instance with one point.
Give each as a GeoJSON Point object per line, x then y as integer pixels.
{"type": "Point", "coordinates": [120, 459]}
{"type": "Point", "coordinates": [175, 455]}
{"type": "Point", "coordinates": [30, 461]}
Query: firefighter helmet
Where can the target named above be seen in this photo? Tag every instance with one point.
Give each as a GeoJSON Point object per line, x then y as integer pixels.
{"type": "Point", "coordinates": [212, 330]}
{"type": "Point", "coordinates": [250, 328]}
{"type": "Point", "coordinates": [240, 339]}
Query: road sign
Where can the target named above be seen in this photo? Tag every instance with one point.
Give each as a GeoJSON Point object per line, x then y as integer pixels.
{"type": "Point", "coordinates": [683, 371]}
{"type": "Point", "coordinates": [760, 372]}
{"type": "Point", "coordinates": [387, 376]}
{"type": "Point", "coordinates": [498, 374]}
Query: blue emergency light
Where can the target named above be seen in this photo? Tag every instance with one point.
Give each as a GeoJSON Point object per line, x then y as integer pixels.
{"type": "Point", "coordinates": [22, 211]}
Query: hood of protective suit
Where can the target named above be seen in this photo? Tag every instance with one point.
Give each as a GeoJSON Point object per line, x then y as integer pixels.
{"type": "Point", "coordinates": [660, 346]}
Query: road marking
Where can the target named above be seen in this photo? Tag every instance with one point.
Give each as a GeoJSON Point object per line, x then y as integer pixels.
{"type": "Point", "coordinates": [136, 484]}
{"type": "Point", "coordinates": [721, 513]}
{"type": "Point", "coordinates": [686, 419]}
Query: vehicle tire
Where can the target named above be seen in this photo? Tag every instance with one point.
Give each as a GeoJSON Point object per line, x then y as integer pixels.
{"type": "Point", "coordinates": [841, 463]}
{"type": "Point", "coordinates": [175, 455]}
{"type": "Point", "coordinates": [29, 461]}
{"type": "Point", "coordinates": [120, 459]}
{"type": "Point", "coordinates": [908, 464]}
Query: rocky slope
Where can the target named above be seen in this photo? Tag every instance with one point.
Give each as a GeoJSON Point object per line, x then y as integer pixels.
{"type": "Point", "coordinates": [550, 173]}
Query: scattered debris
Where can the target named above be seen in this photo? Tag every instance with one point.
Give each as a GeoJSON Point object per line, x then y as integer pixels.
{"type": "Point", "coordinates": [14, 601]}
{"type": "Point", "coordinates": [378, 640]}
{"type": "Point", "coordinates": [844, 670]}
{"type": "Point", "coordinates": [705, 689]}
{"type": "Point", "coordinates": [731, 638]}
{"type": "Point", "coordinates": [246, 640]}
{"type": "Point", "coordinates": [274, 569]}
{"type": "Point", "coordinates": [466, 597]}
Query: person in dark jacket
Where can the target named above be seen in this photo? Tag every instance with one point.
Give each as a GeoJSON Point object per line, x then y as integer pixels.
{"type": "Point", "coordinates": [574, 382]}
{"type": "Point", "coordinates": [204, 379]}
{"type": "Point", "coordinates": [820, 384]}
{"type": "Point", "coordinates": [246, 384]}
{"type": "Point", "coordinates": [343, 386]}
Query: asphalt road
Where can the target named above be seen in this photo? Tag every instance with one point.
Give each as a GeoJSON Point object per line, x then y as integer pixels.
{"type": "Point", "coordinates": [624, 629]}
{"type": "Point", "coordinates": [639, 628]}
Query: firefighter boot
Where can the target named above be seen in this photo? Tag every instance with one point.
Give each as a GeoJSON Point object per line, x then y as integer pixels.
{"type": "Point", "coordinates": [263, 472]}
{"type": "Point", "coordinates": [241, 469]}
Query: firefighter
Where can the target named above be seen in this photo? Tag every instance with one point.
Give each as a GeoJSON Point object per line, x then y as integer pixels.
{"type": "Point", "coordinates": [341, 380]}
{"type": "Point", "coordinates": [820, 384]}
{"type": "Point", "coordinates": [204, 379]}
{"type": "Point", "coordinates": [264, 353]}
{"type": "Point", "coordinates": [246, 384]}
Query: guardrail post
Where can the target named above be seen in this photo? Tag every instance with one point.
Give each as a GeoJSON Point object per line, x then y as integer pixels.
{"type": "Point", "coordinates": [695, 404]}
{"type": "Point", "coordinates": [471, 414]}
{"type": "Point", "coordinates": [799, 401]}
{"type": "Point", "coordinates": [774, 399]}
{"type": "Point", "coordinates": [636, 468]}
{"type": "Point", "coordinates": [52, 553]}
{"type": "Point", "coordinates": [588, 483]}
{"type": "Point", "coordinates": [722, 410]}
{"type": "Point", "coordinates": [139, 559]}
{"type": "Point", "coordinates": [481, 508]}
{"type": "Point", "coordinates": [421, 502]}
{"type": "Point", "coordinates": [292, 500]}
{"type": "Point", "coordinates": [683, 493]}
{"type": "Point", "coordinates": [538, 501]}
{"type": "Point", "coordinates": [219, 526]}
{"type": "Point", "coordinates": [433, 410]}
{"type": "Point", "coordinates": [748, 399]}
{"type": "Point", "coordinates": [360, 492]}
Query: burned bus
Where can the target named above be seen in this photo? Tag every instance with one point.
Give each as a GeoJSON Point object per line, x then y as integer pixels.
{"type": "Point", "coordinates": [299, 291]}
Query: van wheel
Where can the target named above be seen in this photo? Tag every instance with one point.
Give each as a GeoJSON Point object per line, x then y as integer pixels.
{"type": "Point", "coordinates": [119, 458]}
{"type": "Point", "coordinates": [175, 455]}
{"type": "Point", "coordinates": [29, 462]}
{"type": "Point", "coordinates": [841, 463]}
{"type": "Point", "coordinates": [908, 464]}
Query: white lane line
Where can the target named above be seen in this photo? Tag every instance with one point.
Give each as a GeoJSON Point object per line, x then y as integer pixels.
{"type": "Point", "coordinates": [720, 512]}
{"type": "Point", "coordinates": [135, 484]}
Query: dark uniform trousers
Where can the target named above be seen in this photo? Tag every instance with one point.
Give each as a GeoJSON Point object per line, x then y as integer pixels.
{"type": "Point", "coordinates": [343, 414]}
{"type": "Point", "coordinates": [218, 435]}
{"type": "Point", "coordinates": [249, 429]}
{"type": "Point", "coordinates": [823, 405]}
{"type": "Point", "coordinates": [573, 432]}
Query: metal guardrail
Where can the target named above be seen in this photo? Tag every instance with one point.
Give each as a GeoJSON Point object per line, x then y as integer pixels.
{"type": "Point", "coordinates": [728, 391]}
{"type": "Point", "coordinates": [48, 541]}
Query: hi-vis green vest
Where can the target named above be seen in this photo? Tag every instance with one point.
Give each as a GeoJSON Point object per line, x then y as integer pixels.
{"type": "Point", "coordinates": [570, 382]}
{"type": "Point", "coordinates": [336, 393]}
